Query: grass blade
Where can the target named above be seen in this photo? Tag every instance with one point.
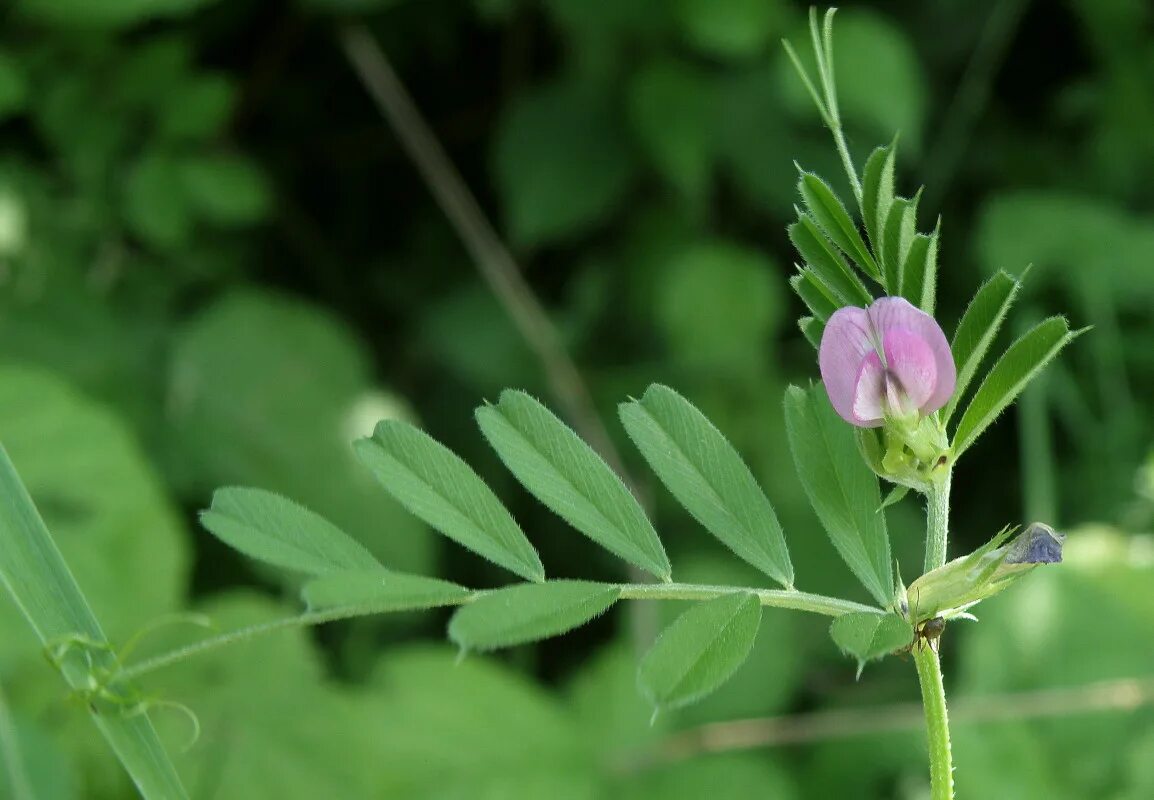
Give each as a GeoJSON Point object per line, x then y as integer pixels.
{"type": "Point", "coordinates": [38, 579]}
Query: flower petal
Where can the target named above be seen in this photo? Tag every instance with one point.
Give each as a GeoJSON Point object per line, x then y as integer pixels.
{"type": "Point", "coordinates": [869, 400]}
{"type": "Point", "coordinates": [911, 362]}
{"type": "Point", "coordinates": [896, 313]}
{"type": "Point", "coordinates": [846, 342]}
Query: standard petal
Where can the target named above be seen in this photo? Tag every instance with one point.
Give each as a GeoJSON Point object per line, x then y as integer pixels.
{"type": "Point", "coordinates": [897, 313]}
{"type": "Point", "coordinates": [869, 398]}
{"type": "Point", "coordinates": [846, 342]}
{"type": "Point", "coordinates": [911, 362]}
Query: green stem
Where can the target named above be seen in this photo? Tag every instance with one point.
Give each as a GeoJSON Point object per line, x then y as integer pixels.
{"type": "Point", "coordinates": [937, 722]}
{"type": "Point", "coordinates": [937, 521]}
{"type": "Point", "coordinates": [926, 657]}
{"type": "Point", "coordinates": [779, 598]}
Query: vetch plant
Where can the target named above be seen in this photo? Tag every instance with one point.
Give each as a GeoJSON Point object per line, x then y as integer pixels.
{"type": "Point", "coordinates": [885, 411]}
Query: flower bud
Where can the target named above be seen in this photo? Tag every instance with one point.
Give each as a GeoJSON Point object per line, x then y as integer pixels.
{"type": "Point", "coordinates": [954, 587]}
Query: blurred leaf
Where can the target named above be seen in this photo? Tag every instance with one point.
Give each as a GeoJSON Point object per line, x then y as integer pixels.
{"type": "Point", "coordinates": [70, 14]}
{"type": "Point", "coordinates": [703, 471]}
{"type": "Point", "coordinates": [470, 335]}
{"type": "Point", "coordinates": [700, 650]}
{"type": "Point", "coordinates": [717, 304]}
{"type": "Point", "coordinates": [561, 164]}
{"type": "Point", "coordinates": [271, 528]}
{"type": "Point", "coordinates": [155, 206]}
{"type": "Point", "coordinates": [44, 770]}
{"type": "Point", "coordinates": [225, 190]}
{"type": "Point", "coordinates": [1037, 637]}
{"type": "Point", "coordinates": [269, 391]}
{"type": "Point", "coordinates": [829, 213]}
{"type": "Point", "coordinates": [841, 488]}
{"type": "Point", "coordinates": [471, 729]}
{"type": "Point", "coordinates": [529, 612]}
{"type": "Point", "coordinates": [879, 79]}
{"type": "Point", "coordinates": [730, 28]}
{"type": "Point", "coordinates": [1083, 235]}
{"type": "Point", "coordinates": [976, 331]}
{"type": "Point", "coordinates": [1017, 366]}
{"type": "Point", "coordinates": [566, 475]}
{"type": "Point", "coordinates": [613, 716]}
{"type": "Point", "coordinates": [436, 485]}
{"type": "Point", "coordinates": [97, 493]}
{"type": "Point", "coordinates": [733, 776]}
{"type": "Point", "coordinates": [13, 86]}
{"type": "Point", "coordinates": [671, 111]}
{"type": "Point", "coordinates": [196, 107]}
{"type": "Point", "coordinates": [272, 725]}
{"type": "Point", "coordinates": [866, 637]}
{"type": "Point", "coordinates": [827, 264]}
{"type": "Point", "coordinates": [878, 192]}
{"type": "Point", "coordinates": [380, 590]}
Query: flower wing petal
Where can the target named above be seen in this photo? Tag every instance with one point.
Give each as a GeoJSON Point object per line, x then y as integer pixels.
{"type": "Point", "coordinates": [846, 342]}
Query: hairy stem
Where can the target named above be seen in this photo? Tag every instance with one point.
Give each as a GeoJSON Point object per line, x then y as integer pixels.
{"type": "Point", "coordinates": [779, 598]}
{"type": "Point", "coordinates": [937, 522]}
{"type": "Point", "coordinates": [937, 723]}
{"type": "Point", "coordinates": [926, 657]}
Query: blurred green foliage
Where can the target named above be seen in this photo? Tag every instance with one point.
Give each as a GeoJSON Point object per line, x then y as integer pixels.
{"type": "Point", "coordinates": [218, 267]}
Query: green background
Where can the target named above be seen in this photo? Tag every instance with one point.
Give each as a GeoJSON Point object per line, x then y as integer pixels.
{"type": "Point", "coordinates": [218, 266]}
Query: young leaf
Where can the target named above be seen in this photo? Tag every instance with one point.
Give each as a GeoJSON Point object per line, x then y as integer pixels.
{"type": "Point", "coordinates": [529, 612]}
{"type": "Point", "coordinates": [810, 292]}
{"type": "Point", "coordinates": [897, 237]}
{"type": "Point", "coordinates": [867, 636]}
{"type": "Point", "coordinates": [1021, 362]}
{"type": "Point", "coordinates": [977, 329]}
{"type": "Point", "coordinates": [567, 476]}
{"type": "Point", "coordinates": [703, 471]}
{"type": "Point", "coordinates": [271, 528]}
{"type": "Point", "coordinates": [434, 483]}
{"type": "Point", "coordinates": [878, 192]}
{"type": "Point", "coordinates": [920, 271]}
{"type": "Point", "coordinates": [40, 583]}
{"type": "Point", "coordinates": [827, 264]}
{"type": "Point", "coordinates": [700, 651]}
{"type": "Point", "coordinates": [812, 329]}
{"type": "Point", "coordinates": [832, 217]}
{"type": "Point", "coordinates": [841, 488]}
{"type": "Point", "coordinates": [379, 590]}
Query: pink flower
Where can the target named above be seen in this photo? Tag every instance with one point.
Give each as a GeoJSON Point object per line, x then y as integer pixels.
{"type": "Point", "coordinates": [888, 360]}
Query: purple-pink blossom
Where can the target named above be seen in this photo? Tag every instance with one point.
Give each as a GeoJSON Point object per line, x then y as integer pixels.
{"type": "Point", "coordinates": [888, 360]}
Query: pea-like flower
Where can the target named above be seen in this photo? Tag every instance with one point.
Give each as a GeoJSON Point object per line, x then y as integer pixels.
{"type": "Point", "coordinates": [888, 361]}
